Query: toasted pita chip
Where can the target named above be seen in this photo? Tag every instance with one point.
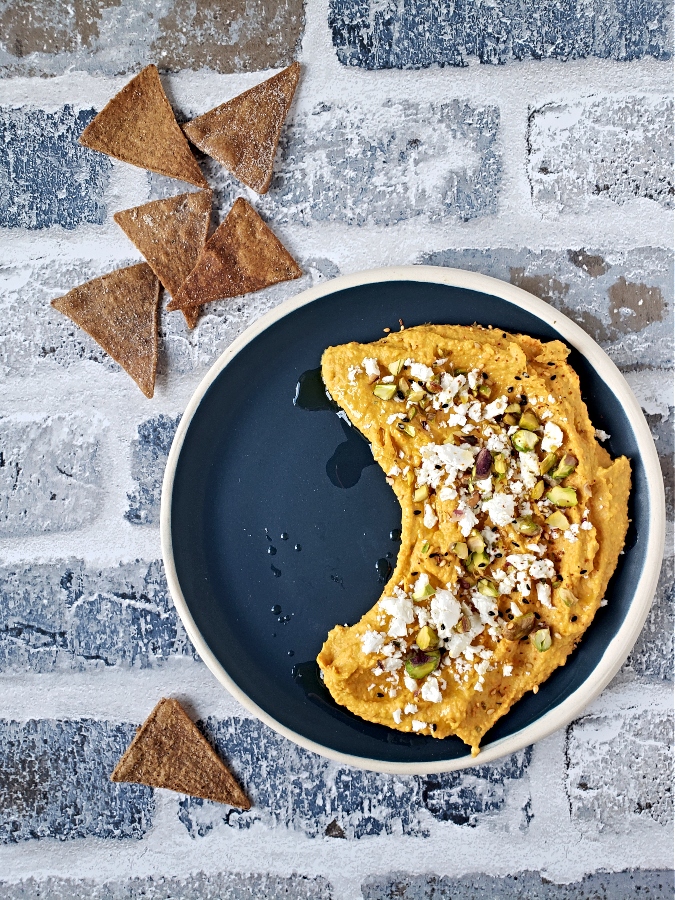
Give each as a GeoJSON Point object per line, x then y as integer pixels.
{"type": "Point", "coordinates": [243, 134]}
{"type": "Point", "coordinates": [242, 255]}
{"type": "Point", "coordinates": [119, 311]}
{"type": "Point", "coordinates": [138, 126]}
{"type": "Point", "coordinates": [170, 234]}
{"type": "Point", "coordinates": [169, 751]}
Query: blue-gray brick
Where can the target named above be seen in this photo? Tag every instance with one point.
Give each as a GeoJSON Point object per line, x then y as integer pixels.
{"type": "Point", "coordinates": [650, 884]}
{"type": "Point", "coordinates": [113, 37]}
{"type": "Point", "coordinates": [292, 788]}
{"type": "Point", "coordinates": [46, 178]}
{"type": "Point", "coordinates": [415, 34]}
{"type": "Point", "coordinates": [149, 453]}
{"type": "Point", "coordinates": [196, 886]}
{"type": "Point", "coordinates": [652, 655]}
{"type": "Point", "coordinates": [50, 478]}
{"type": "Point", "coordinates": [583, 151]}
{"type": "Point", "coordinates": [55, 782]}
{"type": "Point", "coordinates": [67, 615]}
{"type": "Point", "coordinates": [623, 299]}
{"type": "Point", "coordinates": [619, 769]}
{"type": "Point", "coordinates": [403, 160]}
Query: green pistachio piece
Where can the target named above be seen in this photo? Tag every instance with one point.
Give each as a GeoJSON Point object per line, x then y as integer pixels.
{"type": "Point", "coordinates": [461, 550]}
{"type": "Point", "coordinates": [529, 421]}
{"type": "Point", "coordinates": [463, 625]}
{"type": "Point", "coordinates": [396, 367]}
{"type": "Point", "coordinates": [419, 663]}
{"type": "Point", "coordinates": [519, 627]}
{"type": "Point", "coordinates": [542, 639]}
{"type": "Point", "coordinates": [477, 561]}
{"type": "Point", "coordinates": [475, 542]}
{"type": "Point", "coordinates": [406, 428]}
{"type": "Point", "coordinates": [558, 520]}
{"type": "Point", "coordinates": [415, 396]}
{"type": "Point", "coordinates": [487, 588]}
{"type": "Point", "coordinates": [385, 391]}
{"type": "Point", "coordinates": [425, 547]}
{"type": "Point", "coordinates": [433, 387]}
{"type": "Point", "coordinates": [422, 593]}
{"type": "Point", "coordinates": [420, 494]}
{"type": "Point", "coordinates": [538, 490]}
{"type": "Point", "coordinates": [427, 639]}
{"type": "Point", "coordinates": [412, 412]}
{"type": "Point", "coordinates": [485, 391]}
{"type": "Point", "coordinates": [562, 496]}
{"type": "Point", "coordinates": [510, 419]}
{"type": "Point", "coordinates": [524, 440]}
{"type": "Point", "coordinates": [404, 386]}
{"type": "Point", "coordinates": [499, 464]}
{"type": "Point", "coordinates": [565, 596]}
{"type": "Point", "coordinates": [565, 467]}
{"type": "Point", "coordinates": [526, 525]}
{"type": "Point", "coordinates": [547, 463]}
{"type": "Point", "coordinates": [513, 409]}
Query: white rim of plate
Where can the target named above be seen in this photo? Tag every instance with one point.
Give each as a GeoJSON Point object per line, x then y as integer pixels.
{"type": "Point", "coordinates": [623, 641]}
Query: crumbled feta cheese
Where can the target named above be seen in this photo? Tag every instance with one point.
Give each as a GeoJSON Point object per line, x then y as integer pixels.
{"type": "Point", "coordinates": [411, 684]}
{"type": "Point", "coordinates": [553, 437]}
{"type": "Point", "coordinates": [430, 517]}
{"type": "Point", "coordinates": [431, 691]}
{"type": "Point", "coordinates": [602, 435]}
{"type": "Point", "coordinates": [521, 561]}
{"type": "Point", "coordinates": [371, 367]}
{"type": "Point", "coordinates": [506, 671]}
{"type": "Point", "coordinates": [542, 568]}
{"type": "Point", "coordinates": [388, 379]}
{"type": "Point", "coordinates": [372, 641]}
{"type": "Point", "coordinates": [410, 709]}
{"type": "Point", "coordinates": [391, 664]}
{"type": "Point", "coordinates": [475, 411]}
{"type": "Point", "coordinates": [586, 525]}
{"type": "Point", "coordinates": [485, 485]}
{"type": "Point", "coordinates": [529, 469]}
{"type": "Point", "coordinates": [393, 417]}
{"type": "Point", "coordinates": [544, 594]}
{"type": "Point", "coordinates": [570, 536]}
{"type": "Point", "coordinates": [445, 611]}
{"type": "Point", "coordinates": [447, 493]}
{"type": "Point", "coordinates": [401, 611]}
{"type": "Point", "coordinates": [396, 716]}
{"type": "Point", "coordinates": [419, 370]}
{"type": "Point", "coordinates": [467, 518]}
{"type": "Point", "coordinates": [417, 725]}
{"type": "Point", "coordinates": [352, 372]}
{"type": "Point", "coordinates": [496, 408]}
{"type": "Point", "coordinates": [515, 609]}
{"type": "Point", "coordinates": [500, 508]}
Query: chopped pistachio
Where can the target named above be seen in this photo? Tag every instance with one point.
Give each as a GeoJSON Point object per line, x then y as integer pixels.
{"type": "Point", "coordinates": [416, 396]}
{"type": "Point", "coordinates": [385, 391]}
{"type": "Point", "coordinates": [529, 421]}
{"type": "Point", "coordinates": [427, 639]}
{"type": "Point", "coordinates": [434, 387]}
{"type": "Point", "coordinates": [510, 419]}
{"type": "Point", "coordinates": [475, 542]}
{"type": "Point", "coordinates": [477, 561]}
{"type": "Point", "coordinates": [423, 593]}
{"type": "Point", "coordinates": [547, 463]}
{"type": "Point", "coordinates": [565, 467]}
{"type": "Point", "coordinates": [562, 496]}
{"type": "Point", "coordinates": [404, 386]}
{"type": "Point", "coordinates": [499, 464]}
{"type": "Point", "coordinates": [463, 625]}
{"type": "Point", "coordinates": [412, 412]}
{"type": "Point", "coordinates": [487, 588]}
{"type": "Point", "coordinates": [419, 664]}
{"type": "Point", "coordinates": [460, 550]}
{"type": "Point", "coordinates": [524, 440]}
{"type": "Point", "coordinates": [537, 491]}
{"type": "Point", "coordinates": [519, 627]}
{"type": "Point", "coordinates": [425, 547]}
{"type": "Point", "coordinates": [425, 401]}
{"type": "Point", "coordinates": [558, 520]}
{"type": "Point", "coordinates": [485, 391]}
{"type": "Point", "coordinates": [420, 494]}
{"type": "Point", "coordinates": [542, 639]}
{"type": "Point", "coordinates": [526, 525]}
{"type": "Point", "coordinates": [565, 596]}
{"type": "Point", "coordinates": [396, 367]}
{"type": "Point", "coordinates": [513, 409]}
{"type": "Point", "coordinates": [406, 428]}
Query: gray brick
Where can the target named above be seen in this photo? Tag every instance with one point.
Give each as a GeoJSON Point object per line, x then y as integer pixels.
{"type": "Point", "coordinates": [36, 338]}
{"type": "Point", "coordinates": [404, 160]}
{"type": "Point", "coordinates": [149, 453]}
{"type": "Point", "coordinates": [652, 655]}
{"type": "Point", "coordinates": [619, 769]}
{"type": "Point", "coordinates": [623, 299]}
{"type": "Point", "coordinates": [54, 782]}
{"type": "Point", "coordinates": [66, 615]}
{"type": "Point", "coordinates": [197, 886]}
{"type": "Point", "coordinates": [113, 37]}
{"type": "Point", "coordinates": [421, 33]}
{"type": "Point", "coordinates": [661, 427]}
{"type": "Point", "coordinates": [50, 477]}
{"type": "Point", "coordinates": [46, 178]}
{"type": "Point", "coordinates": [292, 788]}
{"type": "Point", "coordinates": [651, 884]}
{"type": "Point", "coordinates": [611, 149]}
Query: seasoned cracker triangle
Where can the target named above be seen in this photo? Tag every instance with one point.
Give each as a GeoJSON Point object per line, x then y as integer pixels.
{"type": "Point", "coordinates": [119, 310]}
{"type": "Point", "coordinates": [243, 133]}
{"type": "Point", "coordinates": [138, 126]}
{"type": "Point", "coordinates": [169, 751]}
{"type": "Point", "coordinates": [170, 234]}
{"type": "Point", "coordinates": [242, 255]}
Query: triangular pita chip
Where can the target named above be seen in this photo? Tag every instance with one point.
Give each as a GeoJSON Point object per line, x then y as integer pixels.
{"type": "Point", "coordinates": [119, 311]}
{"type": "Point", "coordinates": [138, 126]}
{"type": "Point", "coordinates": [243, 134]}
{"type": "Point", "coordinates": [170, 234]}
{"type": "Point", "coordinates": [242, 255]}
{"type": "Point", "coordinates": [169, 751]}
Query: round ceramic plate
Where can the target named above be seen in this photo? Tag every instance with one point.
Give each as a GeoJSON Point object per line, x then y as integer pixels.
{"type": "Point", "coordinates": [277, 525]}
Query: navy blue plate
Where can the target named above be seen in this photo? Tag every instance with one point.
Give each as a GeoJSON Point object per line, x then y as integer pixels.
{"type": "Point", "coordinates": [277, 524]}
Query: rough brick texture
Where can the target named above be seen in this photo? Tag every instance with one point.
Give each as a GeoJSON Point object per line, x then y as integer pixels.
{"type": "Point", "coordinates": [113, 37]}
{"type": "Point", "coordinates": [652, 655]}
{"type": "Point", "coordinates": [198, 886]}
{"type": "Point", "coordinates": [54, 782]}
{"type": "Point", "coordinates": [418, 33]}
{"type": "Point", "coordinates": [149, 453]}
{"type": "Point", "coordinates": [67, 615]}
{"type": "Point", "coordinates": [50, 479]}
{"type": "Point", "coordinates": [623, 299]}
{"type": "Point", "coordinates": [46, 178]}
{"type": "Point", "coordinates": [601, 149]}
{"type": "Point", "coordinates": [619, 770]}
{"type": "Point", "coordinates": [645, 883]}
{"type": "Point", "coordinates": [293, 788]}
{"type": "Point", "coordinates": [403, 160]}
